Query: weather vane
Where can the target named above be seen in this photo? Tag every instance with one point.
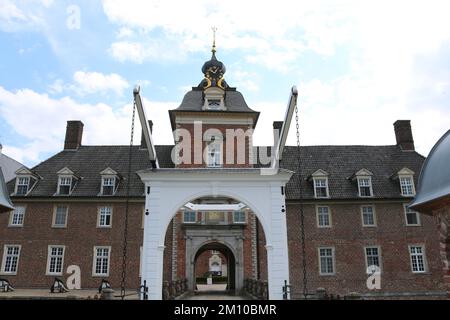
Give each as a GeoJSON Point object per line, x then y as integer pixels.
{"type": "Point", "coordinates": [214, 29]}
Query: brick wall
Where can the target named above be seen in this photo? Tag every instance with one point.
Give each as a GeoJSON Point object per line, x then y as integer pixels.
{"type": "Point", "coordinates": [79, 239]}
{"type": "Point", "coordinates": [348, 237]}
{"type": "Point", "coordinates": [222, 129]}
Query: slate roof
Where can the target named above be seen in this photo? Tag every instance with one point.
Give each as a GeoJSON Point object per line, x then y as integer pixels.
{"type": "Point", "coordinates": [340, 162]}
{"type": "Point", "coordinates": [87, 162]}
{"type": "Point", "coordinates": [234, 101]}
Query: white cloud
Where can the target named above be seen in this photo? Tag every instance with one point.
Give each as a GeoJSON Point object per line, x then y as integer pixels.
{"type": "Point", "coordinates": [91, 82]}
{"type": "Point", "coordinates": [41, 120]}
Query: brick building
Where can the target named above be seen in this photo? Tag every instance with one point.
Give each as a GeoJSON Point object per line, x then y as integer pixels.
{"type": "Point", "coordinates": [70, 209]}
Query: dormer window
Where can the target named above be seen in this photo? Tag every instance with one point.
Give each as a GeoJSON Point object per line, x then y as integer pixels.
{"type": "Point", "coordinates": [109, 182]}
{"type": "Point", "coordinates": [65, 185]}
{"type": "Point", "coordinates": [320, 183]}
{"type": "Point", "coordinates": [23, 184]}
{"type": "Point", "coordinates": [364, 181]}
{"type": "Point", "coordinates": [108, 185]}
{"type": "Point", "coordinates": [365, 186]}
{"type": "Point", "coordinates": [214, 99]}
{"type": "Point", "coordinates": [25, 181]}
{"type": "Point", "coordinates": [406, 180]}
{"type": "Point", "coordinates": [213, 104]}
{"type": "Point", "coordinates": [66, 182]}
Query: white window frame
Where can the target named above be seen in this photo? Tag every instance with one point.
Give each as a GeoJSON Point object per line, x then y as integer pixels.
{"type": "Point", "coordinates": [18, 178]}
{"type": "Point", "coordinates": [190, 212]}
{"type": "Point", "coordinates": [380, 262]}
{"type": "Point", "coordinates": [217, 155]}
{"type": "Point", "coordinates": [60, 179]}
{"type": "Point", "coordinates": [424, 257]}
{"type": "Point", "coordinates": [99, 217]}
{"type": "Point", "coordinates": [333, 257]}
{"type": "Point", "coordinates": [94, 261]}
{"type": "Point", "coordinates": [5, 251]}
{"type": "Point", "coordinates": [359, 180]}
{"type": "Point", "coordinates": [239, 221]}
{"type": "Point", "coordinates": [50, 256]}
{"type": "Point", "coordinates": [14, 213]}
{"type": "Point", "coordinates": [411, 180]}
{"type": "Point", "coordinates": [330, 222]}
{"type": "Point", "coordinates": [405, 209]}
{"type": "Point", "coordinates": [373, 214]}
{"type": "Point", "coordinates": [107, 178]}
{"type": "Point", "coordinates": [315, 180]}
{"type": "Point", "coordinates": [55, 212]}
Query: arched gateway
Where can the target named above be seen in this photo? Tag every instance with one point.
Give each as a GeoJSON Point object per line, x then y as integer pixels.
{"type": "Point", "coordinates": [169, 189]}
{"type": "Point", "coordinates": [214, 158]}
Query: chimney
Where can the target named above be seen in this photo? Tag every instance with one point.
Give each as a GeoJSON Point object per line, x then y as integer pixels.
{"type": "Point", "coordinates": [143, 144]}
{"type": "Point", "coordinates": [74, 134]}
{"type": "Point", "coordinates": [403, 134]}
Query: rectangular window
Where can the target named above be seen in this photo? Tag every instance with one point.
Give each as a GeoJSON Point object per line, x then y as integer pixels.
{"type": "Point", "coordinates": [11, 254]}
{"type": "Point", "coordinates": [365, 187]}
{"type": "Point", "coordinates": [17, 216]}
{"type": "Point", "coordinates": [108, 186]}
{"type": "Point", "coordinates": [406, 186]}
{"type": "Point", "coordinates": [417, 254]}
{"type": "Point", "coordinates": [55, 260]}
{"type": "Point", "coordinates": [214, 155]}
{"type": "Point", "coordinates": [323, 216]}
{"type": "Point", "coordinates": [239, 217]}
{"type": "Point", "coordinates": [60, 218]}
{"type": "Point", "coordinates": [22, 185]}
{"type": "Point", "coordinates": [326, 261]}
{"type": "Point", "coordinates": [321, 188]}
{"type": "Point", "coordinates": [372, 257]}
{"type": "Point", "coordinates": [190, 217]}
{"type": "Point", "coordinates": [101, 261]}
{"type": "Point", "coordinates": [105, 217]}
{"type": "Point", "coordinates": [368, 216]}
{"type": "Point", "coordinates": [412, 217]}
{"type": "Point", "coordinates": [65, 184]}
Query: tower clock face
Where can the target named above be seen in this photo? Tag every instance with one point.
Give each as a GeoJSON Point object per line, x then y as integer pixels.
{"type": "Point", "coordinates": [214, 73]}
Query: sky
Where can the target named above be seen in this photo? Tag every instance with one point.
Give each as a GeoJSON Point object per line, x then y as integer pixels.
{"type": "Point", "coordinates": [358, 65]}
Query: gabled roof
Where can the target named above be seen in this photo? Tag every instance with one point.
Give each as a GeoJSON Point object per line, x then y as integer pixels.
{"type": "Point", "coordinates": [318, 174]}
{"type": "Point", "coordinates": [65, 171]}
{"type": "Point", "coordinates": [108, 171]}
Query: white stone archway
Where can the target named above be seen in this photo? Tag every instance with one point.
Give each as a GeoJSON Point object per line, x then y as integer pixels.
{"type": "Point", "coordinates": [167, 190]}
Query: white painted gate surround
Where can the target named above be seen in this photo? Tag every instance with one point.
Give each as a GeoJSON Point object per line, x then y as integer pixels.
{"type": "Point", "coordinates": [170, 189]}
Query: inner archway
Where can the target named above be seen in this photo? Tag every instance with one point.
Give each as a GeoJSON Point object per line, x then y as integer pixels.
{"type": "Point", "coordinates": [215, 268]}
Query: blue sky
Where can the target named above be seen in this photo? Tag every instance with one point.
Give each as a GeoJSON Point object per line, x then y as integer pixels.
{"type": "Point", "coordinates": [358, 65]}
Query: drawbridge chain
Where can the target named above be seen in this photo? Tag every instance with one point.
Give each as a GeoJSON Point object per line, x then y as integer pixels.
{"type": "Point", "coordinates": [125, 231]}
{"type": "Point", "coordinates": [302, 218]}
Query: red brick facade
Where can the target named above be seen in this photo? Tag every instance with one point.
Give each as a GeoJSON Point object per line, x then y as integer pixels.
{"type": "Point", "coordinates": [348, 238]}
{"type": "Point", "coordinates": [79, 238]}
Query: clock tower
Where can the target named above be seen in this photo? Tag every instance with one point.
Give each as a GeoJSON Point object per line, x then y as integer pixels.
{"type": "Point", "coordinates": [213, 126]}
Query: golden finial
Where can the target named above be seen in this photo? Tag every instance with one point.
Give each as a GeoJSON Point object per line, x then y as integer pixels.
{"type": "Point", "coordinates": [214, 29]}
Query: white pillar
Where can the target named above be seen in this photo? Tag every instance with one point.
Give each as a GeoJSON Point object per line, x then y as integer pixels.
{"type": "Point", "coordinates": [277, 249]}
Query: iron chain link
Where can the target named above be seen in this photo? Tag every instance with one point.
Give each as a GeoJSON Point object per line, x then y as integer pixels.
{"type": "Point", "coordinates": [125, 231]}
{"type": "Point", "coordinates": [302, 217]}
